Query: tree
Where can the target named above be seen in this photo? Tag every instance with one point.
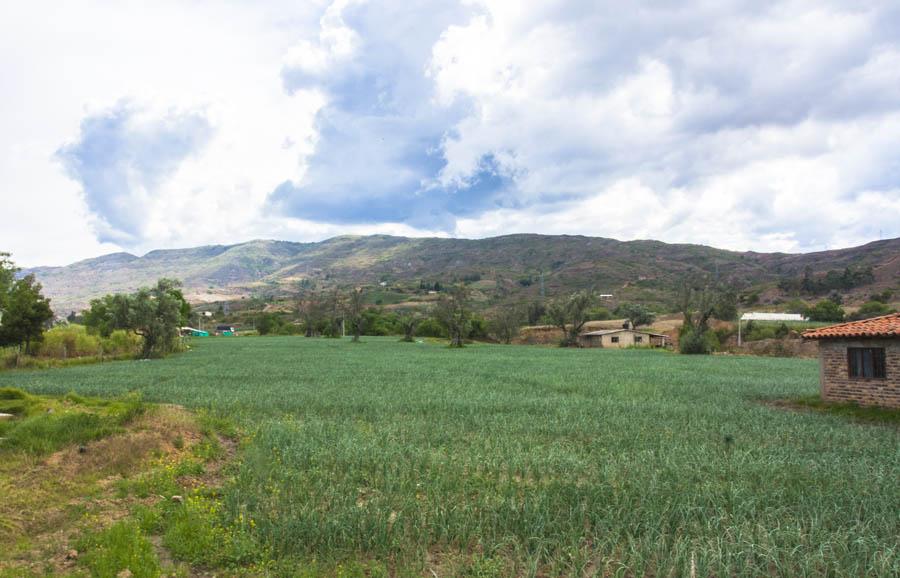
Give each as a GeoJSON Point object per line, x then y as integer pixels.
{"type": "Point", "coordinates": [408, 323]}
{"type": "Point", "coordinates": [536, 311]}
{"type": "Point", "coordinates": [570, 315]}
{"type": "Point", "coordinates": [697, 307]}
{"type": "Point", "coordinates": [333, 308]}
{"type": "Point", "coordinates": [871, 309]}
{"type": "Point", "coordinates": [354, 312]}
{"type": "Point", "coordinates": [156, 314]}
{"type": "Point", "coordinates": [797, 306]}
{"type": "Point", "coordinates": [883, 297]}
{"type": "Point", "coordinates": [312, 312]}
{"type": "Point", "coordinates": [267, 323]}
{"type": "Point", "coordinates": [8, 272]}
{"type": "Point", "coordinates": [636, 314]}
{"type": "Point", "coordinates": [453, 313]}
{"type": "Point", "coordinates": [725, 307]}
{"type": "Point", "coordinates": [26, 312]}
{"type": "Point", "coordinates": [504, 323]}
{"type": "Point", "coordinates": [826, 310]}
{"type": "Point", "coordinates": [108, 313]}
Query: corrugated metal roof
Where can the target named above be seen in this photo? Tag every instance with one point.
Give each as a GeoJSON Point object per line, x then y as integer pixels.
{"type": "Point", "coordinates": [763, 316]}
{"type": "Point", "coordinates": [884, 326]}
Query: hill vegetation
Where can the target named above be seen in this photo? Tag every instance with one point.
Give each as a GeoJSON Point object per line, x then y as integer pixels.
{"type": "Point", "coordinates": [501, 269]}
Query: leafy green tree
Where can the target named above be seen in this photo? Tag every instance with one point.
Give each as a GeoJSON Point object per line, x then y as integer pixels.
{"type": "Point", "coordinates": [108, 313]}
{"type": "Point", "coordinates": [156, 315]}
{"type": "Point", "coordinates": [408, 323]}
{"type": "Point", "coordinates": [883, 297]}
{"type": "Point", "coordinates": [697, 306]}
{"type": "Point", "coordinates": [7, 278]}
{"type": "Point", "coordinates": [797, 306]}
{"type": "Point", "coordinates": [311, 308]}
{"type": "Point", "coordinates": [454, 314]}
{"type": "Point", "coordinates": [26, 312]}
{"type": "Point", "coordinates": [726, 304]}
{"type": "Point", "coordinates": [871, 309]}
{"type": "Point", "coordinates": [505, 322]}
{"type": "Point", "coordinates": [431, 327]}
{"type": "Point", "coordinates": [267, 323]}
{"type": "Point", "coordinates": [635, 313]}
{"type": "Point", "coordinates": [333, 308]}
{"type": "Point", "coordinates": [354, 312]}
{"type": "Point", "coordinates": [570, 315]}
{"type": "Point", "coordinates": [536, 311]}
{"type": "Point", "coordinates": [826, 310]}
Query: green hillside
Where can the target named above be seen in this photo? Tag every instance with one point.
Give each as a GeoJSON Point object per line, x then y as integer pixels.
{"type": "Point", "coordinates": [509, 267]}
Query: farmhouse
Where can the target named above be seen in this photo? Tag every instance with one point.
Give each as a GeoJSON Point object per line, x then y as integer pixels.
{"type": "Point", "coordinates": [860, 361]}
{"type": "Point", "coordinates": [621, 338]}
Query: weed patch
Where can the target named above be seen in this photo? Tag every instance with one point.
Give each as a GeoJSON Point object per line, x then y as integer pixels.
{"type": "Point", "coordinates": [123, 546]}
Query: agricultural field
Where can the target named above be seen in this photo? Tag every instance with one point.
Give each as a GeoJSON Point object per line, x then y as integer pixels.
{"type": "Point", "coordinates": [387, 458]}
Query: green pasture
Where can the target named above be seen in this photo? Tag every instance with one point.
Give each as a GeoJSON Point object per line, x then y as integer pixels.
{"type": "Point", "coordinates": [412, 458]}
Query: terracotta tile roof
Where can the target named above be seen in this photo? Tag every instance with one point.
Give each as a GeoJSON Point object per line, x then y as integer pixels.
{"type": "Point", "coordinates": [884, 326]}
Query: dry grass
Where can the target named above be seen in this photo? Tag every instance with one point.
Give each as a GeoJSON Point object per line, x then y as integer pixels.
{"type": "Point", "coordinates": [49, 501]}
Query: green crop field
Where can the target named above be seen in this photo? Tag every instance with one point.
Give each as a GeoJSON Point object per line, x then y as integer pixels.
{"type": "Point", "coordinates": [513, 460]}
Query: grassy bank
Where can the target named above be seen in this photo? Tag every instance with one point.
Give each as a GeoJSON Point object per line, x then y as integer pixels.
{"type": "Point", "coordinates": [493, 460]}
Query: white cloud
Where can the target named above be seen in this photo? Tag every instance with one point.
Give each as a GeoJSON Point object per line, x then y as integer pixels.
{"type": "Point", "coordinates": [771, 127]}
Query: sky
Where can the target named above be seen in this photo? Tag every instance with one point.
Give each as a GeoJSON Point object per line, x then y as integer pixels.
{"type": "Point", "coordinates": [742, 124]}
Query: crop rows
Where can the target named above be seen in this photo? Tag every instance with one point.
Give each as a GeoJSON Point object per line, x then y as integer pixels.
{"type": "Point", "coordinates": [545, 460]}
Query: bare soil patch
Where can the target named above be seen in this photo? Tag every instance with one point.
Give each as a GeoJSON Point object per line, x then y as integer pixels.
{"type": "Point", "coordinates": [50, 501]}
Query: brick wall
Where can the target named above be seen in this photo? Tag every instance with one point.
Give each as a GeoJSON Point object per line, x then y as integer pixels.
{"type": "Point", "coordinates": [838, 386]}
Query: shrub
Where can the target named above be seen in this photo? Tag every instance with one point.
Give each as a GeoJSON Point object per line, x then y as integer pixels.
{"type": "Point", "coordinates": [121, 342]}
{"type": "Point", "coordinates": [797, 306]}
{"type": "Point", "coordinates": [67, 341]}
{"type": "Point", "coordinates": [267, 323]}
{"type": "Point", "coordinates": [430, 328]}
{"type": "Point", "coordinates": [478, 327]}
{"type": "Point", "coordinates": [826, 310]}
{"type": "Point", "coordinates": [871, 309]}
{"type": "Point", "coordinates": [695, 342]}
{"type": "Point", "coordinates": [290, 329]}
{"type": "Point", "coordinates": [598, 314]}
{"type": "Point", "coordinates": [8, 356]}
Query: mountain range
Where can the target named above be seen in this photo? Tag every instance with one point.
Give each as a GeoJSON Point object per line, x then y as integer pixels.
{"type": "Point", "coordinates": [507, 267]}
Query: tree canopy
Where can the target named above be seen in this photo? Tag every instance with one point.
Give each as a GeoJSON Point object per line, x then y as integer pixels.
{"type": "Point", "coordinates": [155, 313]}
{"type": "Point", "coordinates": [24, 311]}
{"type": "Point", "coordinates": [453, 313]}
{"type": "Point", "coordinates": [570, 314]}
{"type": "Point", "coordinates": [635, 313]}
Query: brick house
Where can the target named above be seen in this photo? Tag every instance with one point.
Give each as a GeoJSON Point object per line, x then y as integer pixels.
{"type": "Point", "coordinates": [860, 361]}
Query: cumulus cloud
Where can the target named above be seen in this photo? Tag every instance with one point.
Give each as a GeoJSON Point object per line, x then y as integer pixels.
{"type": "Point", "coordinates": [741, 125]}
{"type": "Point", "coordinates": [747, 125]}
{"type": "Point", "coordinates": [121, 158]}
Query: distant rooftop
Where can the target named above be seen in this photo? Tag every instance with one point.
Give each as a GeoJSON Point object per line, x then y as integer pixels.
{"type": "Point", "coordinates": [756, 316]}
{"type": "Point", "coordinates": [608, 331]}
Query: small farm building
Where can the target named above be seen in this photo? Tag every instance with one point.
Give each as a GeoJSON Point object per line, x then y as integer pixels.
{"type": "Point", "coordinates": [192, 332]}
{"type": "Point", "coordinates": [227, 330]}
{"type": "Point", "coordinates": [860, 361]}
{"type": "Point", "coordinates": [621, 338]}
